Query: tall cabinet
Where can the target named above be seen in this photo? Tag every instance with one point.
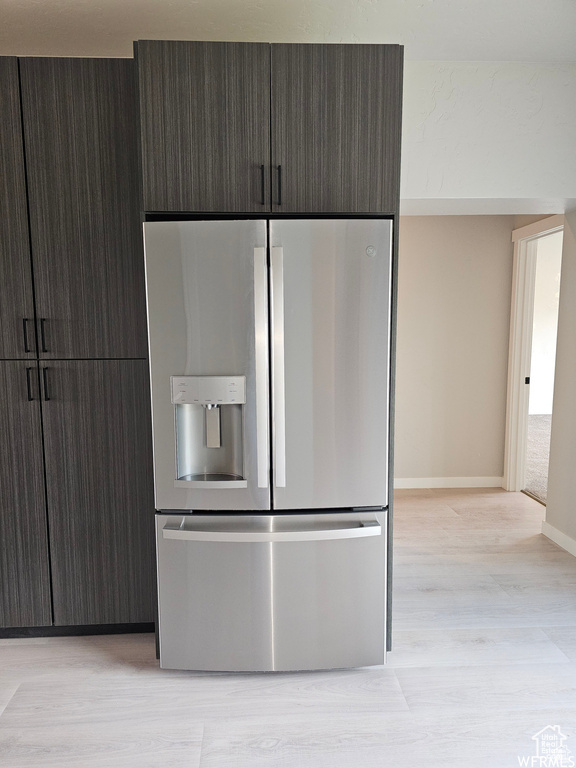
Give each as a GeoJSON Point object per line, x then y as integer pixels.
{"type": "Point", "coordinates": [76, 514]}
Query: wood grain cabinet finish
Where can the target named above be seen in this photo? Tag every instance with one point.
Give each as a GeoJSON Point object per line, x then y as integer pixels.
{"type": "Point", "coordinates": [332, 112]}
{"type": "Point", "coordinates": [17, 338]}
{"type": "Point", "coordinates": [336, 122]}
{"type": "Point", "coordinates": [205, 125]}
{"type": "Point", "coordinates": [24, 569]}
{"type": "Point", "coordinates": [80, 126]}
{"type": "Point", "coordinates": [100, 490]}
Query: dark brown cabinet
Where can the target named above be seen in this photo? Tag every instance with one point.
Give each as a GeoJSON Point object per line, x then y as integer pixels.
{"type": "Point", "coordinates": [17, 335]}
{"type": "Point", "coordinates": [24, 570]}
{"type": "Point", "coordinates": [256, 128]}
{"type": "Point", "coordinates": [336, 114]}
{"type": "Point", "coordinates": [80, 131]}
{"type": "Point", "coordinates": [76, 497]}
{"type": "Point", "coordinates": [205, 115]}
{"type": "Point", "coordinates": [100, 490]}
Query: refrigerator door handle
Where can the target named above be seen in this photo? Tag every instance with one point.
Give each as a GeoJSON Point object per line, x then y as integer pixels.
{"type": "Point", "coordinates": [278, 400]}
{"type": "Point", "coordinates": [361, 530]}
{"type": "Point", "coordinates": [261, 361]}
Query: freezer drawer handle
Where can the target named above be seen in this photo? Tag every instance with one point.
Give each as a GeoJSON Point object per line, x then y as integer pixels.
{"type": "Point", "coordinates": [370, 528]}
{"type": "Point", "coordinates": [261, 356]}
{"type": "Point", "coordinates": [278, 403]}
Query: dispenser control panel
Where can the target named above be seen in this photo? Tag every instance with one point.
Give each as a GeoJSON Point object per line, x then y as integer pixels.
{"type": "Point", "coordinates": [208, 390]}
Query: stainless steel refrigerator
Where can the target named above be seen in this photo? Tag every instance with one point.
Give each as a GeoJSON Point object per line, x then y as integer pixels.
{"type": "Point", "coordinates": [270, 358]}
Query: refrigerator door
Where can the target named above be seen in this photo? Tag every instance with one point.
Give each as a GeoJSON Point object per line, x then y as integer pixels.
{"type": "Point", "coordinates": [271, 592]}
{"type": "Point", "coordinates": [207, 317]}
{"type": "Point", "coordinates": [330, 289]}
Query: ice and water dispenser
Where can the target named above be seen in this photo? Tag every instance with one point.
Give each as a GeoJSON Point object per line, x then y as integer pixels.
{"type": "Point", "coordinates": [209, 424]}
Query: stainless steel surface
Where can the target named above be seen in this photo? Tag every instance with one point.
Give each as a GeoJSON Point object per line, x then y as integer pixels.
{"type": "Point", "coordinates": [278, 398]}
{"type": "Point", "coordinates": [334, 350]}
{"type": "Point", "coordinates": [212, 423]}
{"type": "Point", "coordinates": [261, 353]}
{"type": "Point", "coordinates": [201, 321]}
{"type": "Point", "coordinates": [271, 605]}
{"type": "Point", "coordinates": [238, 530]}
{"type": "Point", "coordinates": [194, 456]}
{"type": "Point", "coordinates": [270, 591]}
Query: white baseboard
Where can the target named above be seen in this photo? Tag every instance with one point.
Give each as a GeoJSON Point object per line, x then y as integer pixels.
{"type": "Point", "coordinates": [564, 541]}
{"type": "Point", "coordinates": [448, 482]}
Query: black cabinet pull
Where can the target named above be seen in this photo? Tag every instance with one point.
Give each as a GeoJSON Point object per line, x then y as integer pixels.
{"type": "Point", "coordinates": [45, 381]}
{"type": "Point", "coordinates": [262, 184]}
{"type": "Point", "coordinates": [29, 384]}
{"type": "Point", "coordinates": [25, 321]}
{"type": "Point", "coordinates": [43, 334]}
{"type": "Point", "coordinates": [279, 185]}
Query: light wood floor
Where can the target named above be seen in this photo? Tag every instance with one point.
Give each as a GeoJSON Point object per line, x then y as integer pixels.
{"type": "Point", "coordinates": [484, 658]}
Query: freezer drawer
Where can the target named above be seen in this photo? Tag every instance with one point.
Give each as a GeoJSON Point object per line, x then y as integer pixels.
{"type": "Point", "coordinates": [271, 592]}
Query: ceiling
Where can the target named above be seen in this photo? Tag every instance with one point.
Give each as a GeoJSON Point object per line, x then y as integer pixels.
{"type": "Point", "coordinates": [456, 30]}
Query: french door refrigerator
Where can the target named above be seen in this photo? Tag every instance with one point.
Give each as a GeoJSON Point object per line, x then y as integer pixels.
{"type": "Point", "coordinates": [269, 358]}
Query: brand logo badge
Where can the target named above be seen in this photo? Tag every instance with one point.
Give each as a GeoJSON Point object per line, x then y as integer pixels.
{"type": "Point", "coordinates": [551, 750]}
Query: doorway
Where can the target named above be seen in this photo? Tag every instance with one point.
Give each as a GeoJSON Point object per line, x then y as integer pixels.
{"type": "Point", "coordinates": [542, 363]}
{"type": "Point", "coordinates": [533, 328]}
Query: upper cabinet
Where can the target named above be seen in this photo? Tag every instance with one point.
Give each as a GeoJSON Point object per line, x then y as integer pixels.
{"type": "Point", "coordinates": [251, 127]}
{"type": "Point", "coordinates": [17, 337]}
{"type": "Point", "coordinates": [205, 126]}
{"type": "Point", "coordinates": [336, 118]}
{"type": "Point", "coordinates": [80, 131]}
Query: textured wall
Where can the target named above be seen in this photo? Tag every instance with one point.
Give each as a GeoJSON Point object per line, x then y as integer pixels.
{"type": "Point", "coordinates": [517, 30]}
{"type": "Point", "coordinates": [489, 130]}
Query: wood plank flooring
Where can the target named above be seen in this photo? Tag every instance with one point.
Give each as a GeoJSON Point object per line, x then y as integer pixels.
{"type": "Point", "coordinates": [484, 657]}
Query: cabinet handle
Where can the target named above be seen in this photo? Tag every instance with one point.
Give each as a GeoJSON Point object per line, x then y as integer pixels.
{"type": "Point", "coordinates": [29, 384]}
{"type": "Point", "coordinates": [279, 185]}
{"type": "Point", "coordinates": [262, 186]}
{"type": "Point", "coordinates": [45, 382]}
{"type": "Point", "coordinates": [43, 334]}
{"type": "Point", "coordinates": [25, 322]}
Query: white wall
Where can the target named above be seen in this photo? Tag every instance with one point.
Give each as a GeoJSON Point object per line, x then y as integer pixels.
{"type": "Point", "coordinates": [488, 137]}
{"type": "Point", "coordinates": [455, 275]}
{"type": "Point", "coordinates": [545, 324]}
{"type": "Point", "coordinates": [560, 522]}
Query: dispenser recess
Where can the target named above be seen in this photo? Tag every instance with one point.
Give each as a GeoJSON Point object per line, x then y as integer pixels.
{"type": "Point", "coordinates": [209, 431]}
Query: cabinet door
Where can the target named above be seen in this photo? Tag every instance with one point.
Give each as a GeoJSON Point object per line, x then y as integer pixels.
{"type": "Point", "coordinates": [205, 125]}
{"type": "Point", "coordinates": [24, 570]}
{"type": "Point", "coordinates": [82, 164]}
{"type": "Point", "coordinates": [336, 113]}
{"type": "Point", "coordinates": [100, 490]}
{"type": "Point", "coordinates": [16, 305]}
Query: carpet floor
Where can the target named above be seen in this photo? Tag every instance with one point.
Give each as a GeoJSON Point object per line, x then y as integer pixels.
{"type": "Point", "coordinates": [537, 455]}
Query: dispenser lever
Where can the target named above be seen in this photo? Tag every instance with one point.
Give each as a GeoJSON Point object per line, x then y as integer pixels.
{"type": "Point", "coordinates": [212, 417]}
